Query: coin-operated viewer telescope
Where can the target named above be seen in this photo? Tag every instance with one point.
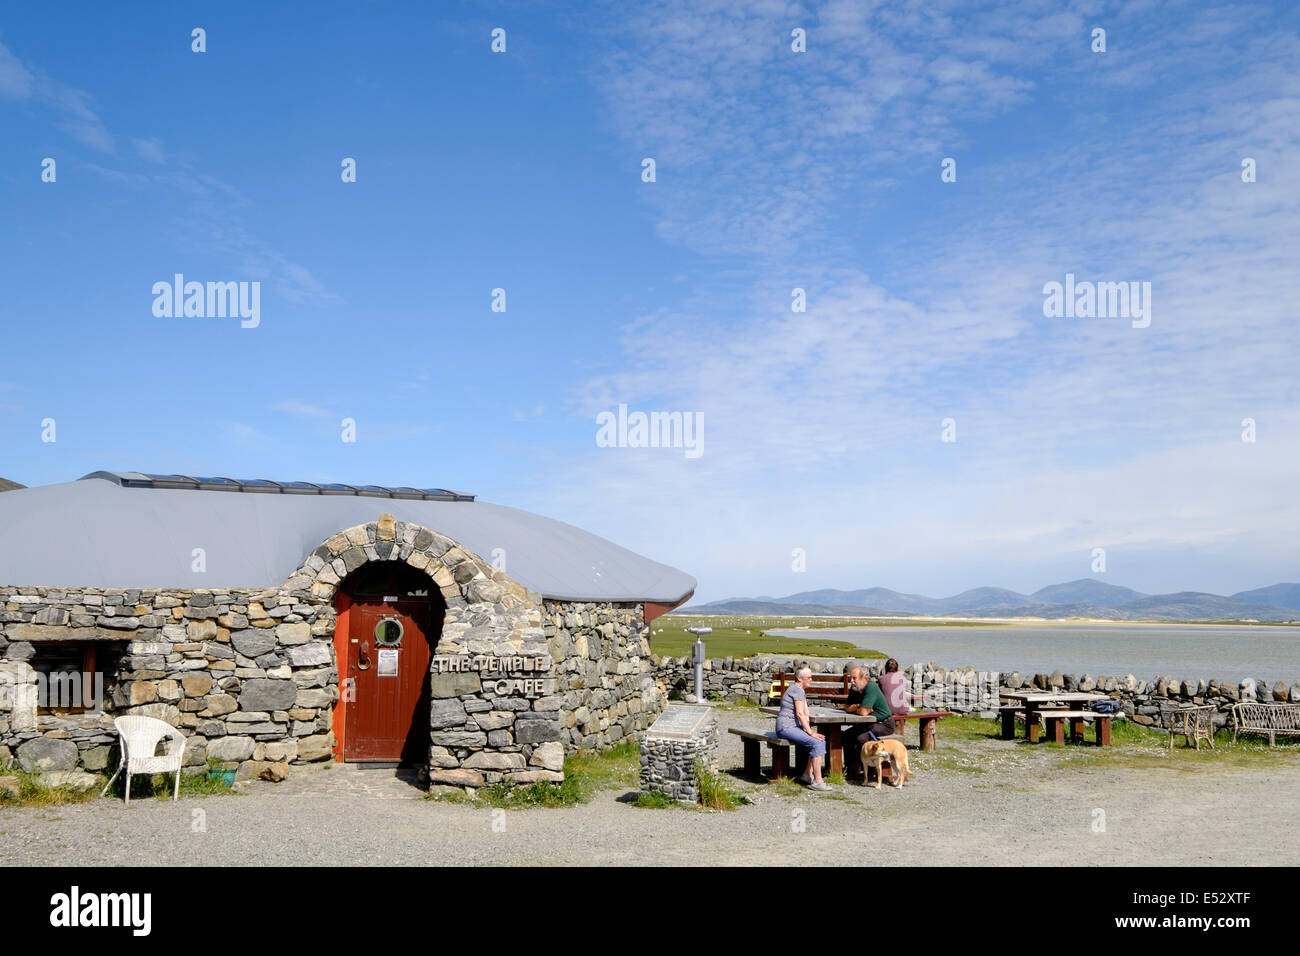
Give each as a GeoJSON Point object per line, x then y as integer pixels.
{"type": "Point", "coordinates": [697, 658]}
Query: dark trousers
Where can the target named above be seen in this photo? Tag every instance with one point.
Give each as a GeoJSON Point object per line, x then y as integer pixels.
{"type": "Point", "coordinates": [859, 734]}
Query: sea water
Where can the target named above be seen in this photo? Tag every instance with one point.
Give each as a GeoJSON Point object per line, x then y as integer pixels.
{"type": "Point", "coordinates": [1184, 651]}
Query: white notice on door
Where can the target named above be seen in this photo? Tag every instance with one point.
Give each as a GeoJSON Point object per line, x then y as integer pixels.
{"type": "Point", "coordinates": [387, 663]}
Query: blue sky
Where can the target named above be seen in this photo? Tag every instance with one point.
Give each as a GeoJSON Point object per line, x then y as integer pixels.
{"type": "Point", "coordinates": [775, 170]}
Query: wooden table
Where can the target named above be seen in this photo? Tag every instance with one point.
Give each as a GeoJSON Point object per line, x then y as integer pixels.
{"type": "Point", "coordinates": [927, 723]}
{"type": "Point", "coordinates": [830, 720]}
{"type": "Point", "coordinates": [1038, 703]}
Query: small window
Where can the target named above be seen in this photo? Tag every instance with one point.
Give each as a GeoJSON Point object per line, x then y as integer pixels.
{"type": "Point", "coordinates": [66, 678]}
{"type": "Point", "coordinates": [388, 632]}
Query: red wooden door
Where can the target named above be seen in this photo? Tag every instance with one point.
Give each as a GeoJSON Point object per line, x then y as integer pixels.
{"type": "Point", "coordinates": [388, 662]}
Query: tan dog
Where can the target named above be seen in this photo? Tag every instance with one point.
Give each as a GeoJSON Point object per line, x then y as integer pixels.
{"type": "Point", "coordinates": [874, 752]}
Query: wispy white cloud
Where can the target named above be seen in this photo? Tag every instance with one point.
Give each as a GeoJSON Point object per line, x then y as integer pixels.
{"type": "Point", "coordinates": [150, 149]}
{"type": "Point", "coordinates": [72, 107]}
{"type": "Point", "coordinates": [1074, 433]}
{"type": "Point", "coordinates": [119, 177]}
{"type": "Point", "coordinates": [246, 435]}
{"type": "Point", "coordinates": [304, 409]}
{"type": "Point", "coordinates": [714, 93]}
{"type": "Point", "coordinates": [16, 81]}
{"type": "Point", "coordinates": [524, 415]}
{"type": "Point", "coordinates": [77, 118]}
{"type": "Point", "coordinates": [214, 220]}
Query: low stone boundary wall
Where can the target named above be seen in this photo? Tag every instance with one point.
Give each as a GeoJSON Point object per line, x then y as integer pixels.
{"type": "Point", "coordinates": [966, 690]}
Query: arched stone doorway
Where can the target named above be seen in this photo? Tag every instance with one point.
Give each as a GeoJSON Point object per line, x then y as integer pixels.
{"type": "Point", "coordinates": [390, 618]}
{"type": "Point", "coordinates": [494, 710]}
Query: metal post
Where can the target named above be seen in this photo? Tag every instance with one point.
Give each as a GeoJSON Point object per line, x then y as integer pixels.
{"type": "Point", "coordinates": [697, 658]}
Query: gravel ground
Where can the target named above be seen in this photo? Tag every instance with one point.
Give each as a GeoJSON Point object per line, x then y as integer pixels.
{"type": "Point", "coordinates": [981, 801]}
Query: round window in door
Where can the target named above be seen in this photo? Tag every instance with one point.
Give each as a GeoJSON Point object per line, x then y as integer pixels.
{"type": "Point", "coordinates": [388, 632]}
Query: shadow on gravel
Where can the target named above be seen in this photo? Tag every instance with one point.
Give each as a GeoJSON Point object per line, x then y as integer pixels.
{"type": "Point", "coordinates": [415, 777]}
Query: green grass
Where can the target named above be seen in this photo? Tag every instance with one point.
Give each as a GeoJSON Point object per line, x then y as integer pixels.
{"type": "Point", "coordinates": [968, 728]}
{"type": "Point", "coordinates": [654, 800]}
{"type": "Point", "coordinates": [741, 703]}
{"type": "Point", "coordinates": [714, 792]}
{"type": "Point", "coordinates": [951, 761]}
{"type": "Point", "coordinates": [785, 787]}
{"type": "Point", "coordinates": [32, 793]}
{"type": "Point", "coordinates": [541, 794]}
{"type": "Point", "coordinates": [586, 774]}
{"type": "Point", "coordinates": [159, 785]}
{"type": "Point", "coordinates": [199, 785]}
{"type": "Point", "coordinates": [1132, 745]}
{"type": "Point", "coordinates": [745, 637]}
{"type": "Point", "coordinates": [1142, 748]}
{"type": "Point", "coordinates": [620, 766]}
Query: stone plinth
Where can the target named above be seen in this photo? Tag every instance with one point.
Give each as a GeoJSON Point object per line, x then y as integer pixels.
{"type": "Point", "coordinates": [683, 739]}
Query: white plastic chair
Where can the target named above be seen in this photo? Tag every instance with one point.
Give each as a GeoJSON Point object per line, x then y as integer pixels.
{"type": "Point", "coordinates": [140, 737]}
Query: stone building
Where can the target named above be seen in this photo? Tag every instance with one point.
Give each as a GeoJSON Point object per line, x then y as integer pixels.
{"type": "Point", "coordinates": [285, 623]}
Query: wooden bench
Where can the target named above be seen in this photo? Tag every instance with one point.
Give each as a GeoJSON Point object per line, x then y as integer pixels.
{"type": "Point", "coordinates": [1010, 713]}
{"type": "Point", "coordinates": [1271, 719]}
{"type": "Point", "coordinates": [780, 752]}
{"type": "Point", "coordinates": [824, 689]}
{"type": "Point", "coordinates": [1054, 719]}
{"type": "Point", "coordinates": [780, 747]}
{"type": "Point", "coordinates": [1056, 725]}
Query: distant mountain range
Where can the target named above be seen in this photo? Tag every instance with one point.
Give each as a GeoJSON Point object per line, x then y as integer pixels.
{"type": "Point", "coordinates": [1085, 597]}
{"type": "Point", "coordinates": [7, 485]}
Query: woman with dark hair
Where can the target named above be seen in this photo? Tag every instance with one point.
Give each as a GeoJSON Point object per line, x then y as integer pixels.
{"type": "Point", "coordinates": [894, 684]}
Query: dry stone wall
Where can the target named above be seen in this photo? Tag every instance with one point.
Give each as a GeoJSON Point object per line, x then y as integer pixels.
{"type": "Point", "coordinates": [250, 675]}
{"type": "Point", "coordinates": [247, 674]}
{"type": "Point", "coordinates": [966, 690]}
{"type": "Point", "coordinates": [605, 673]}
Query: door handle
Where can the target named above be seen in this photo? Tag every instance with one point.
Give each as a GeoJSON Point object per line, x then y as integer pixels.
{"type": "Point", "coordinates": [363, 656]}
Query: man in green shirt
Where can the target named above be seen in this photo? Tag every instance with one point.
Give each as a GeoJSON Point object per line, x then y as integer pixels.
{"type": "Point", "coordinates": [865, 697]}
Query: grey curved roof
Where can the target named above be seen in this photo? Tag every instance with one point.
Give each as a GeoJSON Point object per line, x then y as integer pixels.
{"type": "Point", "coordinates": [96, 533]}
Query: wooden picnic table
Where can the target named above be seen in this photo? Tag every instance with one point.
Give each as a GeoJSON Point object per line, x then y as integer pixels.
{"type": "Point", "coordinates": [830, 720]}
{"type": "Point", "coordinates": [1056, 707]}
